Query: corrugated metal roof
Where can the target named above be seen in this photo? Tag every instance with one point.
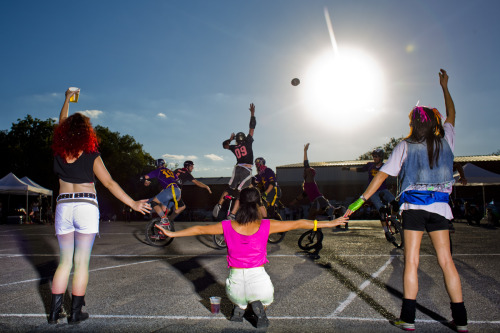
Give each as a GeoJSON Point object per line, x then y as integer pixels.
{"type": "Point", "coordinates": [460, 159]}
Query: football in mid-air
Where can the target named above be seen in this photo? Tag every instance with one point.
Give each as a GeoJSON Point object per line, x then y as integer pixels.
{"type": "Point", "coordinates": [295, 82]}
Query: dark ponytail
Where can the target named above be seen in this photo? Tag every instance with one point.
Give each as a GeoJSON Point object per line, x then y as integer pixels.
{"type": "Point", "coordinates": [249, 206]}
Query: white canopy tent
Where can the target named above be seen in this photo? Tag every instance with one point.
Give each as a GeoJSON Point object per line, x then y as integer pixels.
{"type": "Point", "coordinates": [10, 184]}
{"type": "Point", "coordinates": [477, 176]}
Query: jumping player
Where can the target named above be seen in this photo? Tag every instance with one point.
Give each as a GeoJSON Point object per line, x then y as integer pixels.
{"type": "Point", "coordinates": [319, 204]}
{"type": "Point", "coordinates": [373, 168]}
{"type": "Point", "coordinates": [242, 172]}
{"type": "Point", "coordinates": [184, 175]}
{"type": "Point", "coordinates": [170, 193]}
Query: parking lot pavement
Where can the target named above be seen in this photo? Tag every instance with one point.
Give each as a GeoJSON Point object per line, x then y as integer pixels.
{"type": "Point", "coordinates": [355, 285]}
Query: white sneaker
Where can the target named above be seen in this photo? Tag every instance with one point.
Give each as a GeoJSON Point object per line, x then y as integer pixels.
{"type": "Point", "coordinates": [459, 328]}
{"type": "Point", "coordinates": [404, 325]}
{"type": "Point", "coordinates": [215, 212]}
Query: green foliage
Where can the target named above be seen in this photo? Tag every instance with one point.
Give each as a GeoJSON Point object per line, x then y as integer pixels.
{"type": "Point", "coordinates": [388, 148]}
{"type": "Point", "coordinates": [27, 146]}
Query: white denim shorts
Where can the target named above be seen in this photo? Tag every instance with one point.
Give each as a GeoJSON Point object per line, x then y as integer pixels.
{"type": "Point", "coordinates": [246, 285]}
{"type": "Point", "coordinates": [76, 214]}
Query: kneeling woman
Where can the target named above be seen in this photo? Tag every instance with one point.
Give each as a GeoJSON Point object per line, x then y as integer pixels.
{"type": "Point", "coordinates": [246, 239]}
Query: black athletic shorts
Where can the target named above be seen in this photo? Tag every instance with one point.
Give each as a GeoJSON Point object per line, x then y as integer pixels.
{"type": "Point", "coordinates": [422, 220]}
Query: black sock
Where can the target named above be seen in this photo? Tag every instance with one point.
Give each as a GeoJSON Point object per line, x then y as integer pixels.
{"type": "Point", "coordinates": [408, 310]}
{"type": "Point", "coordinates": [459, 313]}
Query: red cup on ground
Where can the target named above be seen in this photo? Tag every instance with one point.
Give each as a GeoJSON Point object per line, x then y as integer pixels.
{"type": "Point", "coordinates": [215, 304]}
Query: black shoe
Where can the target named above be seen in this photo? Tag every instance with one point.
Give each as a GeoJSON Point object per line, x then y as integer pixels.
{"type": "Point", "coordinates": [260, 314]}
{"type": "Point", "coordinates": [55, 308]}
{"type": "Point", "coordinates": [76, 310]}
{"type": "Point", "coordinates": [238, 314]}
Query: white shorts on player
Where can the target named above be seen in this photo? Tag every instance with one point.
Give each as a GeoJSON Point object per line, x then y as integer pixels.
{"type": "Point", "coordinates": [247, 285]}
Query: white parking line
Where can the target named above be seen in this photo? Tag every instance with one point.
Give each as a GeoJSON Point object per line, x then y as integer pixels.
{"type": "Point", "coordinates": [363, 285]}
{"type": "Point", "coordinates": [222, 317]}
{"type": "Point", "coordinates": [92, 270]}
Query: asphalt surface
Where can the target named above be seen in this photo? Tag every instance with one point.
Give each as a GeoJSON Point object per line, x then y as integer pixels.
{"type": "Point", "coordinates": [355, 286]}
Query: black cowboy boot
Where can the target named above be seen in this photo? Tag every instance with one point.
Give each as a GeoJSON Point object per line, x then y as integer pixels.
{"type": "Point", "coordinates": [55, 308]}
{"type": "Point", "coordinates": [238, 314]}
{"type": "Point", "coordinates": [259, 315]}
{"type": "Point", "coordinates": [76, 310]}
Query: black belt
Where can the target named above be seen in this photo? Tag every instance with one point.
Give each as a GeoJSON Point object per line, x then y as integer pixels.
{"type": "Point", "coordinates": [76, 196]}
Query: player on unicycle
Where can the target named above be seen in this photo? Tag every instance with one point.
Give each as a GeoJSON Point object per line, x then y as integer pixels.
{"type": "Point", "coordinates": [171, 192]}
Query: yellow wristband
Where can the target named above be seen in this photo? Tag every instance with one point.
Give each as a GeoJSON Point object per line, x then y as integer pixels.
{"type": "Point", "coordinates": [315, 225]}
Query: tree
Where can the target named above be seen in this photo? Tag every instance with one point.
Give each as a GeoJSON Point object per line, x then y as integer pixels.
{"type": "Point", "coordinates": [388, 148]}
{"type": "Point", "coordinates": [126, 161]}
{"type": "Point", "coordinates": [27, 146]}
{"type": "Point", "coordinates": [28, 149]}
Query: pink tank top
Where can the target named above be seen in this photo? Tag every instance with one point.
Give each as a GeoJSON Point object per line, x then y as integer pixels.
{"type": "Point", "coordinates": [246, 251]}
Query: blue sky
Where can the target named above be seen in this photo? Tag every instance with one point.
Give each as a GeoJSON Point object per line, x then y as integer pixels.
{"type": "Point", "coordinates": [179, 76]}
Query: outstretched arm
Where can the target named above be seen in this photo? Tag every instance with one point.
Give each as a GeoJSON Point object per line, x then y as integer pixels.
{"type": "Point", "coordinates": [306, 147]}
{"type": "Point", "coordinates": [283, 226]}
{"type": "Point", "coordinates": [65, 108]}
{"type": "Point", "coordinates": [213, 229]}
{"type": "Point", "coordinates": [370, 190]}
{"type": "Point", "coordinates": [200, 184]}
{"type": "Point", "coordinates": [103, 175]}
{"type": "Point", "coordinates": [253, 122]}
{"type": "Point", "coordinates": [448, 101]}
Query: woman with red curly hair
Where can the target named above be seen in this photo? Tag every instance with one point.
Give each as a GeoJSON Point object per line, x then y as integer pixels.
{"type": "Point", "coordinates": [76, 161]}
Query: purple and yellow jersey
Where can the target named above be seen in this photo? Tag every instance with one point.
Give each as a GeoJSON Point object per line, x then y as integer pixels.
{"type": "Point", "coordinates": [372, 170]}
{"type": "Point", "coordinates": [266, 178]}
{"type": "Point", "coordinates": [244, 151]}
{"type": "Point", "coordinates": [165, 176]}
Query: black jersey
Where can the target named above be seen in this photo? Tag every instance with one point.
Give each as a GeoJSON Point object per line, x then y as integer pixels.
{"type": "Point", "coordinates": [243, 151]}
{"type": "Point", "coordinates": [183, 176]}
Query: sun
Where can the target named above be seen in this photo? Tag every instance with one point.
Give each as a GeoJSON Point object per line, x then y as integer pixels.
{"type": "Point", "coordinates": [343, 90]}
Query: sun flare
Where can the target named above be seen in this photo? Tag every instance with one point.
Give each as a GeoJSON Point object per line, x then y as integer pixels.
{"type": "Point", "coordinates": [343, 90]}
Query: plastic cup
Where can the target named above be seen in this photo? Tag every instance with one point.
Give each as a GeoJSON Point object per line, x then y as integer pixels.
{"type": "Point", "coordinates": [75, 97]}
{"type": "Point", "coordinates": [215, 304]}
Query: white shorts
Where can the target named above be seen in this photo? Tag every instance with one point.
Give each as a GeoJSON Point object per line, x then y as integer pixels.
{"type": "Point", "coordinates": [80, 215]}
{"type": "Point", "coordinates": [246, 285]}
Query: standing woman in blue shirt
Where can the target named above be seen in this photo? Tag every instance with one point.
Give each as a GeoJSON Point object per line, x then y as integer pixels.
{"type": "Point", "coordinates": [423, 163]}
{"type": "Point", "coordinates": [76, 160]}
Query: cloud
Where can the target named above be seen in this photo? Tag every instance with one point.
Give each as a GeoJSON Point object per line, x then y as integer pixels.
{"type": "Point", "coordinates": [46, 98]}
{"type": "Point", "coordinates": [92, 114]}
{"type": "Point", "coordinates": [162, 115]}
{"type": "Point", "coordinates": [214, 157]}
{"type": "Point", "coordinates": [179, 157]}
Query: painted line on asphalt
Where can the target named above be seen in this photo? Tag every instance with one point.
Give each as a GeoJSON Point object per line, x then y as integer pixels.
{"type": "Point", "coordinates": [221, 317]}
{"type": "Point", "coordinates": [366, 283]}
{"type": "Point", "coordinates": [90, 271]}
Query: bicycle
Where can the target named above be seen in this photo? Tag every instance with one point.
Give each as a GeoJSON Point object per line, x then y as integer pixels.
{"type": "Point", "coordinates": [312, 239]}
{"type": "Point", "coordinates": [273, 213]}
{"type": "Point", "coordinates": [394, 225]}
{"type": "Point", "coordinates": [154, 236]}
{"type": "Point", "coordinates": [224, 211]}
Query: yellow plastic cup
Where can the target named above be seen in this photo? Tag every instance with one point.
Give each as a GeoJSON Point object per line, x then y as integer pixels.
{"type": "Point", "coordinates": [75, 97]}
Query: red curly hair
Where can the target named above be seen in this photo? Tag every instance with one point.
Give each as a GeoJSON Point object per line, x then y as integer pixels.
{"type": "Point", "coordinates": [73, 135]}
